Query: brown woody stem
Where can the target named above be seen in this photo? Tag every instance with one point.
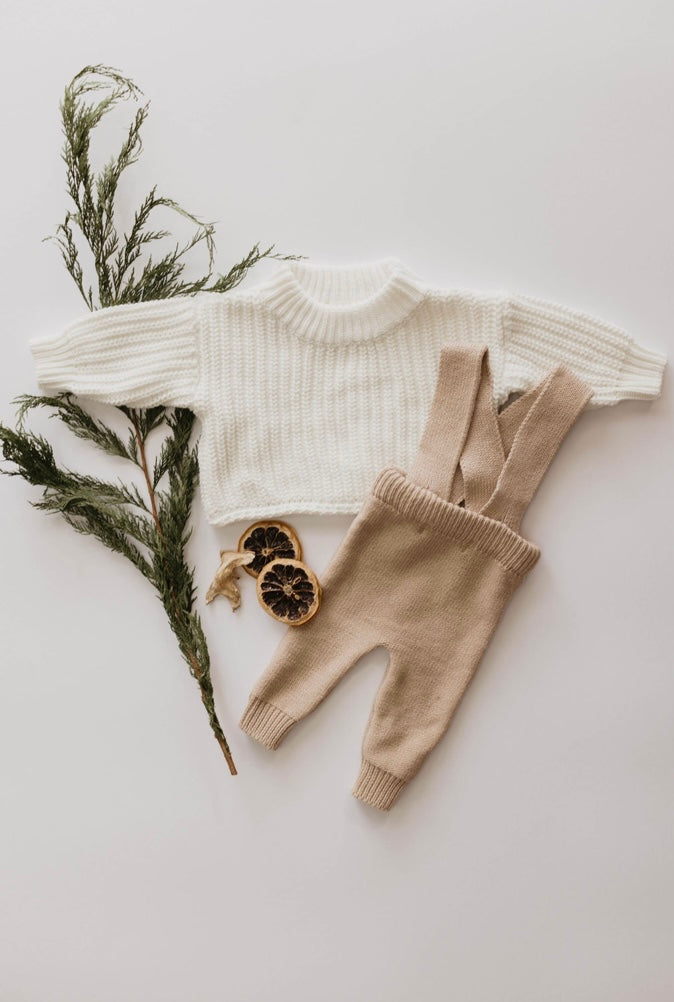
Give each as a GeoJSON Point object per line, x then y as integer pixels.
{"type": "Point", "coordinates": [204, 688]}
{"type": "Point", "coordinates": [146, 472]}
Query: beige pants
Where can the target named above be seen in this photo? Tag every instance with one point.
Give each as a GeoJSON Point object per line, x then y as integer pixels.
{"type": "Point", "coordinates": [425, 571]}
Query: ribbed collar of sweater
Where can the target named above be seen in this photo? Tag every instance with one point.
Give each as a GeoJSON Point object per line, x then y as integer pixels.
{"type": "Point", "coordinates": [342, 303]}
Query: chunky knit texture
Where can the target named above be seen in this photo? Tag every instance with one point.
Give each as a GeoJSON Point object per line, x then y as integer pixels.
{"type": "Point", "coordinates": [426, 571]}
{"type": "Point", "coordinates": [311, 382]}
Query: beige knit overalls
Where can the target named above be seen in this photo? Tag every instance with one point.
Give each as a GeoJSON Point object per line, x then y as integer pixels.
{"type": "Point", "coordinates": [425, 571]}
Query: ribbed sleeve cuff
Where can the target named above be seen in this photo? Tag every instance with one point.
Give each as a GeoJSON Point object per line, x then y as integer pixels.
{"type": "Point", "coordinates": [53, 361]}
{"type": "Point", "coordinates": [377, 788]}
{"type": "Point", "coordinates": [642, 372]}
{"type": "Point", "coordinates": [265, 723]}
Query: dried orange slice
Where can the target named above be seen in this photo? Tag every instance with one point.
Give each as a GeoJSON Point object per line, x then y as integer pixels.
{"type": "Point", "coordinates": [289, 591]}
{"type": "Point", "coordinates": [269, 540]}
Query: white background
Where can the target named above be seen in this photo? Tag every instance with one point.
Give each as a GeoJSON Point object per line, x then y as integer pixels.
{"type": "Point", "coordinates": [521, 146]}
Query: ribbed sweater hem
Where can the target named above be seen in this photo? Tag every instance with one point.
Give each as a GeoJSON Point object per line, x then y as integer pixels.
{"type": "Point", "coordinates": [376, 787]}
{"type": "Point", "coordinates": [265, 722]}
{"type": "Point", "coordinates": [255, 513]}
{"type": "Point", "coordinates": [466, 528]}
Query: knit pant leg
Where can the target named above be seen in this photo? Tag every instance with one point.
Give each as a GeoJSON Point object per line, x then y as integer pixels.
{"type": "Point", "coordinates": [411, 712]}
{"type": "Point", "coordinates": [308, 663]}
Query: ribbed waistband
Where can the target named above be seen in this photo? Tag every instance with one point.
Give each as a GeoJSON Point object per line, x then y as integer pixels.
{"type": "Point", "coordinates": [466, 528]}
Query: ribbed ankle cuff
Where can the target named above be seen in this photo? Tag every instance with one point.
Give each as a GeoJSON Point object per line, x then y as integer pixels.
{"type": "Point", "coordinates": [265, 722]}
{"type": "Point", "coordinates": [377, 788]}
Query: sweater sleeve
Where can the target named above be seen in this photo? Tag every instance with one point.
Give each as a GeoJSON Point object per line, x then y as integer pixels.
{"type": "Point", "coordinates": [539, 336]}
{"type": "Point", "coordinates": [140, 355]}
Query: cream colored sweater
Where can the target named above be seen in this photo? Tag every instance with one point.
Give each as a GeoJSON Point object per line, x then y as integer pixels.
{"type": "Point", "coordinates": [310, 383]}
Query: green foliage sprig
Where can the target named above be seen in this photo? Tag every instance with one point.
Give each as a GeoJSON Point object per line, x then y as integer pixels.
{"type": "Point", "coordinates": [151, 528]}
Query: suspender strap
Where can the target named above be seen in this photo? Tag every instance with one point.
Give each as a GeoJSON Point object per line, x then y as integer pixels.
{"type": "Point", "coordinates": [555, 406]}
{"type": "Point", "coordinates": [483, 456]}
{"type": "Point", "coordinates": [495, 463]}
{"type": "Point", "coordinates": [512, 416]}
{"type": "Point", "coordinates": [446, 430]}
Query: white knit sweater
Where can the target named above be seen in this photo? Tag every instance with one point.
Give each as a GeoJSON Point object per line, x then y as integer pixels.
{"type": "Point", "coordinates": [308, 384]}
